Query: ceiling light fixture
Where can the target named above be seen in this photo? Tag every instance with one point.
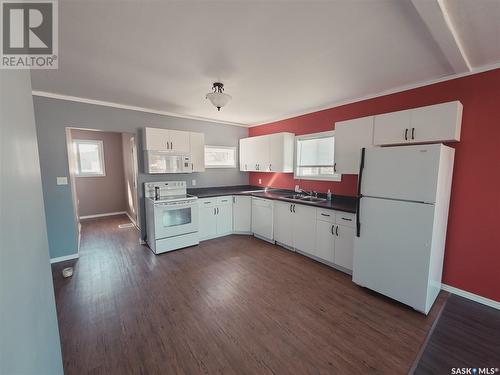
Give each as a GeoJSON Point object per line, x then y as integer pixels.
{"type": "Point", "coordinates": [218, 98]}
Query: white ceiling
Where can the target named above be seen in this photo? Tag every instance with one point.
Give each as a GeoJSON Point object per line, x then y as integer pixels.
{"type": "Point", "coordinates": [276, 58]}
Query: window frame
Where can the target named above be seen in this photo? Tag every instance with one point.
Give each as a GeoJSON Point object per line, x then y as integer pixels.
{"type": "Point", "coordinates": [233, 148]}
{"type": "Point", "coordinates": [336, 177]}
{"type": "Point", "coordinates": [100, 147]}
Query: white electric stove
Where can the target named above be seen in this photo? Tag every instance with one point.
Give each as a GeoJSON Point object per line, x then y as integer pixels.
{"type": "Point", "coordinates": [171, 216]}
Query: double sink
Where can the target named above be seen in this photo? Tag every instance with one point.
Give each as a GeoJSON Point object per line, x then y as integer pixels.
{"type": "Point", "coordinates": [304, 198]}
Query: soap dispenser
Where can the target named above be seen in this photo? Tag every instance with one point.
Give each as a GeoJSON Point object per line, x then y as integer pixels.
{"type": "Point", "coordinates": [329, 195]}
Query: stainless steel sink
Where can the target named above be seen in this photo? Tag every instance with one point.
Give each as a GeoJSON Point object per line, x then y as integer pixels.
{"type": "Point", "coordinates": [312, 199]}
{"type": "Point", "coordinates": [304, 198]}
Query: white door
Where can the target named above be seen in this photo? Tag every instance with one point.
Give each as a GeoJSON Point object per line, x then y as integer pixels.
{"type": "Point", "coordinates": [207, 223]}
{"type": "Point", "coordinates": [304, 228]}
{"type": "Point", "coordinates": [197, 150]}
{"type": "Point", "coordinates": [262, 218]}
{"type": "Point", "coordinates": [350, 137]}
{"type": "Point", "coordinates": [325, 240]}
{"type": "Point", "coordinates": [179, 141]}
{"type": "Point", "coordinates": [392, 254]}
{"type": "Point", "coordinates": [406, 172]}
{"type": "Point", "coordinates": [224, 219]}
{"type": "Point", "coordinates": [242, 214]}
{"type": "Point", "coordinates": [344, 246]}
{"type": "Point", "coordinates": [156, 139]}
{"type": "Point", "coordinates": [391, 128]}
{"type": "Point", "coordinates": [260, 149]}
{"type": "Point", "coordinates": [283, 223]}
{"type": "Point", "coordinates": [436, 123]}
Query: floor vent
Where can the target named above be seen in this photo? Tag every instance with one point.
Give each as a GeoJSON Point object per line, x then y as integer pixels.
{"type": "Point", "coordinates": [129, 225]}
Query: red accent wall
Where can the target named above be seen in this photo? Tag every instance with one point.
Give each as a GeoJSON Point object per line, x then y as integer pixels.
{"type": "Point", "coordinates": [472, 258]}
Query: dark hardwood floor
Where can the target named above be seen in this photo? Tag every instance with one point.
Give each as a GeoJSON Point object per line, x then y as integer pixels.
{"type": "Point", "coordinates": [467, 335]}
{"type": "Point", "coordinates": [233, 305]}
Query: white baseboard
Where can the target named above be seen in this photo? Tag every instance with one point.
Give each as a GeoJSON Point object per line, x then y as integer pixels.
{"type": "Point", "coordinates": [103, 215]}
{"type": "Point", "coordinates": [64, 258]}
{"type": "Point", "coordinates": [471, 296]}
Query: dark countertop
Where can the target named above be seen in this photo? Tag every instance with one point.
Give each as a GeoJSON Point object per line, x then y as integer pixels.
{"type": "Point", "coordinates": [339, 202]}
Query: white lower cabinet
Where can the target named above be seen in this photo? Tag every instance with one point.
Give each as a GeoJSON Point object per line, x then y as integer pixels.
{"type": "Point", "coordinates": [215, 217]}
{"type": "Point", "coordinates": [283, 223]}
{"type": "Point", "coordinates": [325, 242]}
{"type": "Point", "coordinates": [295, 226]}
{"type": "Point", "coordinates": [262, 218]}
{"type": "Point", "coordinates": [344, 245]}
{"type": "Point", "coordinates": [242, 214]}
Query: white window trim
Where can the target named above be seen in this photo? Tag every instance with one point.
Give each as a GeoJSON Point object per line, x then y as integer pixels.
{"type": "Point", "coordinates": [221, 166]}
{"type": "Point", "coordinates": [100, 144]}
{"type": "Point", "coordinates": [336, 177]}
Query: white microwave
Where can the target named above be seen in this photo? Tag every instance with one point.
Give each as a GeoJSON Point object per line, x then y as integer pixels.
{"type": "Point", "coordinates": [156, 162]}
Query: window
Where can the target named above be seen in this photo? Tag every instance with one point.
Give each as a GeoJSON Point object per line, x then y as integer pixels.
{"type": "Point", "coordinates": [220, 157]}
{"type": "Point", "coordinates": [314, 157]}
{"type": "Point", "coordinates": [89, 158]}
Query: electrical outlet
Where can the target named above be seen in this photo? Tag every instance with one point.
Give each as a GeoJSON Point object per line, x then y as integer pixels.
{"type": "Point", "coordinates": [297, 188]}
{"type": "Point", "coordinates": [193, 182]}
{"type": "Point", "coordinates": [260, 181]}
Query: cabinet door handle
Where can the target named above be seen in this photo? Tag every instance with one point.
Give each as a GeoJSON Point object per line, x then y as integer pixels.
{"type": "Point", "coordinates": [167, 146]}
{"type": "Point", "coordinates": [337, 231]}
{"type": "Point", "coordinates": [234, 199]}
{"type": "Point", "coordinates": [346, 219]}
{"type": "Point", "coordinates": [293, 208]}
{"type": "Point", "coordinates": [215, 211]}
{"type": "Point", "coordinates": [332, 229]}
{"type": "Point", "coordinates": [269, 166]}
{"type": "Point", "coordinates": [335, 167]}
{"type": "Point", "coordinates": [406, 134]}
{"type": "Point", "coordinates": [412, 133]}
{"type": "Point", "coordinates": [323, 214]}
{"type": "Point", "coordinates": [171, 145]}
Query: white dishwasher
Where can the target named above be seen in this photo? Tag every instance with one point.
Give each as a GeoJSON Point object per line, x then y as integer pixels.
{"type": "Point", "coordinates": [262, 218]}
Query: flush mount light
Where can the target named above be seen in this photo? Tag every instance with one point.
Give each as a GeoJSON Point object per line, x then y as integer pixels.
{"type": "Point", "coordinates": [218, 98]}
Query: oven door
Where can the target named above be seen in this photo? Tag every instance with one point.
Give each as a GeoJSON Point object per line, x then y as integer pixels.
{"type": "Point", "coordinates": [175, 218]}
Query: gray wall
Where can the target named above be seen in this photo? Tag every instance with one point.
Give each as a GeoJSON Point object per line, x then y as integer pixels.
{"type": "Point", "coordinates": [54, 115]}
{"type": "Point", "coordinates": [102, 194]}
{"type": "Point", "coordinates": [29, 336]}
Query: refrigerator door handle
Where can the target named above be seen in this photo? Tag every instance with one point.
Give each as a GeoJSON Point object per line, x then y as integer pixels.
{"type": "Point", "coordinates": [360, 176]}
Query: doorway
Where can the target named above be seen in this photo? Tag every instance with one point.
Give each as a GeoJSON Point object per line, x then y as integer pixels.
{"type": "Point", "coordinates": [103, 173]}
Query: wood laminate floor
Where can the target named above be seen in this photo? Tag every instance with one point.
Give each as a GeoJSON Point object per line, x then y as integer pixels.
{"type": "Point", "coordinates": [233, 305]}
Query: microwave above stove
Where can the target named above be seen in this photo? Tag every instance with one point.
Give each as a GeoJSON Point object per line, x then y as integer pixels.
{"type": "Point", "coordinates": [156, 162]}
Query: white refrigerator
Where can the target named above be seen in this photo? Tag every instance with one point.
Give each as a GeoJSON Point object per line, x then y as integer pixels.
{"type": "Point", "coordinates": [401, 221]}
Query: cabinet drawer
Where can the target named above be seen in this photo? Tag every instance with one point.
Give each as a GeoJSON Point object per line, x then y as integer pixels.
{"type": "Point", "coordinates": [207, 202]}
{"type": "Point", "coordinates": [325, 215]}
{"type": "Point", "coordinates": [228, 199]}
{"type": "Point", "coordinates": [345, 218]}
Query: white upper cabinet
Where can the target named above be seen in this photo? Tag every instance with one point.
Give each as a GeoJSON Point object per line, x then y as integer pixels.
{"type": "Point", "coordinates": [440, 122]}
{"type": "Point", "coordinates": [179, 141]}
{"type": "Point", "coordinates": [197, 151]}
{"type": "Point", "coordinates": [391, 128]}
{"type": "Point", "coordinates": [267, 153]}
{"type": "Point", "coordinates": [156, 139]}
{"type": "Point", "coordinates": [350, 137]}
{"type": "Point", "coordinates": [434, 123]}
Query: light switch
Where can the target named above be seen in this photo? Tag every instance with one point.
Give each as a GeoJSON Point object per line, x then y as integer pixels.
{"type": "Point", "coordinates": [62, 180]}
{"type": "Point", "coordinates": [193, 182]}
{"type": "Point", "coordinates": [260, 181]}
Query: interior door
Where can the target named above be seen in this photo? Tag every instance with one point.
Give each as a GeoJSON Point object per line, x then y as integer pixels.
{"type": "Point", "coordinates": [406, 172]}
{"type": "Point", "coordinates": [179, 141]}
{"type": "Point", "coordinates": [392, 254]}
